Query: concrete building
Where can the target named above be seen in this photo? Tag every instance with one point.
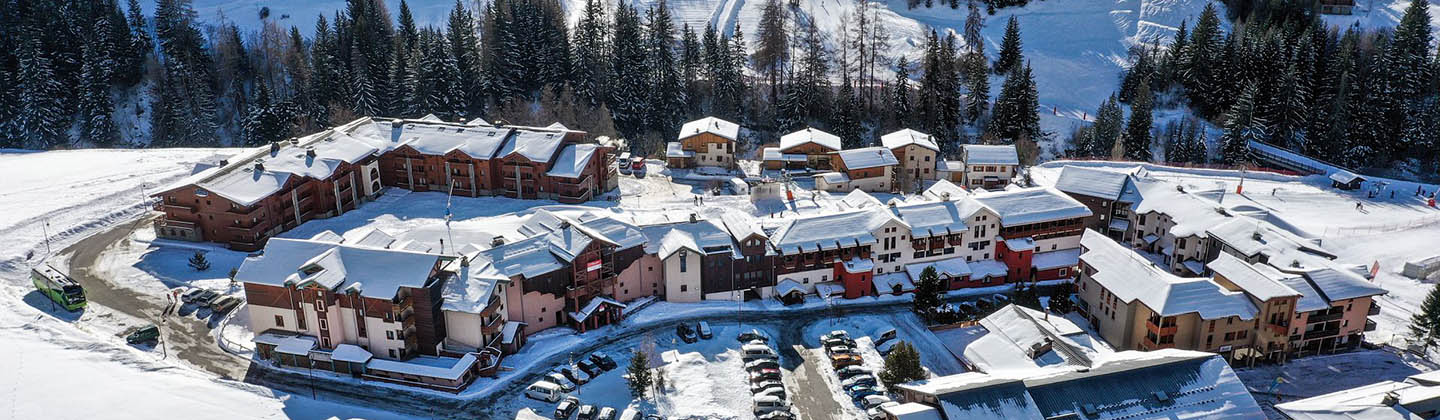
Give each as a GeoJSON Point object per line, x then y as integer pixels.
{"type": "Point", "coordinates": [1108, 194]}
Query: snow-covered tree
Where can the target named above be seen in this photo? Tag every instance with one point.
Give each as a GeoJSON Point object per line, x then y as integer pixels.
{"type": "Point", "coordinates": [1011, 56]}
{"type": "Point", "coordinates": [1137, 136]}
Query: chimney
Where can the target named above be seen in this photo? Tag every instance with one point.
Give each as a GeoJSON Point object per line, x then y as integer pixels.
{"type": "Point", "coordinates": [259, 164]}
{"type": "Point", "coordinates": [224, 162]}
{"type": "Point", "coordinates": [464, 261]}
{"type": "Point", "coordinates": [310, 152]}
{"type": "Point", "coordinates": [694, 218]}
{"type": "Point", "coordinates": [274, 148]}
{"type": "Point", "coordinates": [1390, 399]}
{"type": "Point", "coordinates": [945, 196]}
{"type": "Point", "coordinates": [497, 241]}
{"type": "Point", "coordinates": [1255, 236]}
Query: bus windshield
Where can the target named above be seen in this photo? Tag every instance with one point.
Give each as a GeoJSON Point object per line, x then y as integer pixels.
{"type": "Point", "coordinates": [74, 293]}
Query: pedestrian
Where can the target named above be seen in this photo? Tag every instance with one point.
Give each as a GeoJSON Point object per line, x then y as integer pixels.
{"type": "Point", "coordinates": [1272, 191]}
{"type": "Point", "coordinates": [1357, 205]}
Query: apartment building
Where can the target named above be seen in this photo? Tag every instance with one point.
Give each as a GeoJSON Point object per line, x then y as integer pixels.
{"type": "Point", "coordinates": [989, 167]}
{"type": "Point", "coordinates": [1172, 223]}
{"type": "Point", "coordinates": [867, 169]}
{"type": "Point", "coordinates": [835, 248]}
{"type": "Point", "coordinates": [253, 196]}
{"type": "Point", "coordinates": [1108, 194]}
{"type": "Point", "coordinates": [1039, 232]}
{"type": "Point", "coordinates": [707, 141]}
{"type": "Point", "coordinates": [918, 155]}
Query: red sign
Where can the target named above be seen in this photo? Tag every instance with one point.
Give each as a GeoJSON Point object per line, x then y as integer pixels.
{"type": "Point", "coordinates": [592, 266]}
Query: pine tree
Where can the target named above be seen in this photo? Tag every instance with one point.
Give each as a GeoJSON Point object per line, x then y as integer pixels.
{"type": "Point", "coordinates": [589, 71]}
{"type": "Point", "coordinates": [198, 261]}
{"type": "Point", "coordinates": [927, 292]}
{"type": "Point", "coordinates": [1137, 131]}
{"type": "Point", "coordinates": [902, 365]}
{"type": "Point", "coordinates": [10, 134]}
{"type": "Point", "coordinates": [900, 106]}
{"type": "Point", "coordinates": [639, 377]}
{"type": "Point", "coordinates": [1425, 324]}
{"type": "Point", "coordinates": [1015, 108]}
{"type": "Point", "coordinates": [772, 49]}
{"type": "Point", "coordinates": [691, 65]}
{"type": "Point", "coordinates": [97, 123]}
{"type": "Point", "coordinates": [846, 118]}
{"type": "Point", "coordinates": [977, 84]}
{"type": "Point", "coordinates": [463, 39]}
{"type": "Point", "coordinates": [1108, 122]}
{"type": "Point", "coordinates": [42, 118]}
{"type": "Point", "coordinates": [667, 89]}
{"type": "Point", "coordinates": [974, 23]}
{"type": "Point", "coordinates": [1241, 127]}
{"type": "Point", "coordinates": [627, 69]}
{"type": "Point", "coordinates": [1010, 50]}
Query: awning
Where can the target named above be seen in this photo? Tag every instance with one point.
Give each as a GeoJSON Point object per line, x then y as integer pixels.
{"type": "Point", "coordinates": [1119, 224]}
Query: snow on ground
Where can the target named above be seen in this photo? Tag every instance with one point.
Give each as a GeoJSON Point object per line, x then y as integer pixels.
{"type": "Point", "coordinates": [1378, 14]}
{"type": "Point", "coordinates": [1317, 375]}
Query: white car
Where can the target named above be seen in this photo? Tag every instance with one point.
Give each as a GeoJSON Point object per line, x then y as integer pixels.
{"type": "Point", "coordinates": [874, 413]}
{"type": "Point", "coordinates": [558, 379]}
{"type": "Point", "coordinates": [768, 403]}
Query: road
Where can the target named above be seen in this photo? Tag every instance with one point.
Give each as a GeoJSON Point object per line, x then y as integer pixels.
{"type": "Point", "coordinates": [184, 336]}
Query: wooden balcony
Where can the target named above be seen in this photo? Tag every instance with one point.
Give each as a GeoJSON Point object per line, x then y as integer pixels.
{"type": "Point", "coordinates": [492, 325]}
{"type": "Point", "coordinates": [1278, 329]}
{"type": "Point", "coordinates": [1158, 330]}
{"type": "Point", "coordinates": [1151, 345]}
{"type": "Point", "coordinates": [168, 222]}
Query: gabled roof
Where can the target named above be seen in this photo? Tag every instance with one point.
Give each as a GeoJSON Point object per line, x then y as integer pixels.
{"type": "Point", "coordinates": [376, 273]}
{"type": "Point", "coordinates": [537, 145]}
{"type": "Point", "coordinates": [479, 142]}
{"type": "Point", "coordinates": [977, 154]}
{"type": "Point", "coordinates": [908, 137]}
{"type": "Point", "coordinates": [1131, 277]}
{"type": "Point", "coordinates": [710, 125]}
{"type": "Point", "coordinates": [260, 172]}
{"type": "Point", "coordinates": [867, 157]}
{"type": "Point", "coordinates": [810, 135]}
{"type": "Point", "coordinates": [1031, 205]}
{"type": "Point", "coordinates": [831, 231]}
{"type": "Point", "coordinates": [936, 219]}
{"type": "Point", "coordinates": [1089, 182]}
{"type": "Point", "coordinates": [473, 286]}
{"type": "Point", "coordinates": [1253, 236]}
{"type": "Point", "coordinates": [1344, 177]}
{"type": "Point", "coordinates": [859, 199]}
{"type": "Point", "coordinates": [572, 160]}
{"type": "Point", "coordinates": [1339, 284]}
{"type": "Point", "coordinates": [1263, 285]}
{"type": "Point", "coordinates": [1192, 214]}
{"type": "Point", "coordinates": [944, 189]}
{"type": "Point", "coordinates": [702, 236]}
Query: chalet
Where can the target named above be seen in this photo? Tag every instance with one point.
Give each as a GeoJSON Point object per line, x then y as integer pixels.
{"type": "Point", "coordinates": [1415, 397]}
{"type": "Point", "coordinates": [868, 169]}
{"type": "Point", "coordinates": [917, 152]}
{"type": "Point", "coordinates": [262, 192]}
{"type": "Point", "coordinates": [1108, 194]}
{"type": "Point", "coordinates": [707, 141]}
{"type": "Point", "coordinates": [989, 167]}
{"type": "Point", "coordinates": [952, 171]}
{"type": "Point", "coordinates": [817, 147]}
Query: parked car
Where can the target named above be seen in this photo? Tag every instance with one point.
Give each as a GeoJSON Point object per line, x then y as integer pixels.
{"type": "Point", "coordinates": [777, 415]}
{"type": "Point", "coordinates": [558, 379]}
{"type": "Point", "coordinates": [835, 334]}
{"type": "Point", "coordinates": [859, 380]}
{"type": "Point", "coordinates": [637, 167]}
{"type": "Point", "coordinates": [190, 295]}
{"type": "Point", "coordinates": [143, 334]}
{"type": "Point", "coordinates": [752, 335]}
{"type": "Point", "coordinates": [752, 365]}
{"type": "Point", "coordinates": [686, 334]}
{"type": "Point", "coordinates": [623, 163]}
{"type": "Point", "coordinates": [606, 413]}
{"type": "Point", "coordinates": [589, 368]}
{"type": "Point", "coordinates": [205, 298]}
{"type": "Point", "coordinates": [544, 391]}
{"type": "Point", "coordinates": [836, 342]}
{"type": "Point", "coordinates": [852, 371]}
{"type": "Point", "coordinates": [874, 401]}
{"type": "Point", "coordinates": [574, 374]}
{"type": "Point", "coordinates": [884, 336]}
{"type": "Point", "coordinates": [757, 387]}
{"type": "Point", "coordinates": [603, 360]}
{"type": "Point", "coordinates": [653, 417]}
{"type": "Point", "coordinates": [842, 360]}
{"type": "Point", "coordinates": [839, 350]}
{"type": "Point", "coordinates": [704, 329]}
{"type": "Point", "coordinates": [852, 389]}
{"type": "Point", "coordinates": [230, 302]}
{"type": "Point", "coordinates": [765, 375]}
{"type": "Point", "coordinates": [885, 349]}
{"type": "Point", "coordinates": [778, 392]}
{"type": "Point", "coordinates": [750, 352]}
{"type": "Point", "coordinates": [567, 408]}
{"type": "Point", "coordinates": [587, 412]}
{"type": "Point", "coordinates": [859, 393]}
{"type": "Point", "coordinates": [631, 414]}
{"type": "Point", "coordinates": [875, 413]}
{"type": "Point", "coordinates": [766, 404]}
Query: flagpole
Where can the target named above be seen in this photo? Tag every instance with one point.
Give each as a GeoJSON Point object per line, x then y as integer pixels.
{"type": "Point", "coordinates": [448, 215]}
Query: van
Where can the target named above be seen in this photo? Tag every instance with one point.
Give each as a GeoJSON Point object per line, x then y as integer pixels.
{"type": "Point", "coordinates": [544, 391]}
{"type": "Point", "coordinates": [885, 335]}
{"type": "Point", "coordinates": [623, 163]}
{"type": "Point", "coordinates": [750, 352]}
{"type": "Point", "coordinates": [767, 403]}
{"type": "Point", "coordinates": [704, 330]}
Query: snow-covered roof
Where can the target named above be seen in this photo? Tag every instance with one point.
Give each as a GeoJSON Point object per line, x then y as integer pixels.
{"type": "Point", "coordinates": [953, 267]}
{"type": "Point", "coordinates": [948, 165]}
{"type": "Point", "coordinates": [833, 178]}
{"type": "Point", "coordinates": [1263, 285]}
{"type": "Point", "coordinates": [1340, 284]}
{"type": "Point", "coordinates": [529, 257]}
{"type": "Point", "coordinates": [704, 236]}
{"type": "Point", "coordinates": [859, 265]}
{"type": "Point", "coordinates": [509, 332]}
{"type": "Point", "coordinates": [936, 219]}
{"type": "Point", "coordinates": [259, 172]}
{"type": "Point", "coordinates": [328, 236]}
{"type": "Point", "coordinates": [787, 286]}
{"type": "Point", "coordinates": [859, 199]}
{"type": "Point", "coordinates": [1131, 277]}
{"type": "Point", "coordinates": [473, 286]}
{"type": "Point", "coordinates": [296, 345]}
{"type": "Point", "coordinates": [945, 190]}
{"type": "Point", "coordinates": [1098, 183]}
{"type": "Point", "coordinates": [478, 121]}
{"type": "Point", "coordinates": [742, 225]}
{"type": "Point", "coordinates": [1032, 205]}
{"type": "Point", "coordinates": [887, 283]}
{"type": "Point", "coordinates": [594, 305]}
{"type": "Point", "coordinates": [350, 353]}
{"type": "Point", "coordinates": [535, 145]}
{"type": "Point", "coordinates": [1310, 299]}
{"type": "Point", "coordinates": [810, 135]}
{"type": "Point", "coordinates": [1191, 213]}
{"type": "Point", "coordinates": [1056, 259]}
{"type": "Point", "coordinates": [977, 154]}
{"type": "Point", "coordinates": [447, 368]}
{"type": "Point", "coordinates": [375, 238]}
{"type": "Point", "coordinates": [988, 268]}
{"type": "Point", "coordinates": [1344, 177]}
{"type": "Point", "coordinates": [1252, 236]}
{"type": "Point", "coordinates": [773, 154]}
{"type": "Point", "coordinates": [1017, 337]}
{"type": "Point", "coordinates": [867, 157]}
{"type": "Point", "coordinates": [676, 150]}
{"type": "Point", "coordinates": [376, 273]}
{"type": "Point", "coordinates": [912, 411]}
{"type": "Point", "coordinates": [710, 125]}
{"type": "Point", "coordinates": [1364, 402]}
{"type": "Point", "coordinates": [478, 142]}
{"type": "Point", "coordinates": [567, 244]}
{"type": "Point", "coordinates": [1026, 243]}
{"type": "Point", "coordinates": [829, 288]}
{"type": "Point", "coordinates": [908, 137]}
{"type": "Point", "coordinates": [572, 160]}
{"type": "Point", "coordinates": [831, 231]}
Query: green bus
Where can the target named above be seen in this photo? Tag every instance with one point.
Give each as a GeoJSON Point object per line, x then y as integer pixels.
{"type": "Point", "coordinates": [59, 287]}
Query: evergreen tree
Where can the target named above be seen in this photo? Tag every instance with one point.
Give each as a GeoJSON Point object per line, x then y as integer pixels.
{"type": "Point", "coordinates": [627, 69]}
{"type": "Point", "coordinates": [900, 106]}
{"type": "Point", "coordinates": [927, 292]}
{"type": "Point", "coordinates": [1137, 130]}
{"type": "Point", "coordinates": [42, 119]}
{"type": "Point", "coordinates": [846, 116]}
{"type": "Point", "coordinates": [811, 79]}
{"type": "Point", "coordinates": [97, 123]}
{"type": "Point", "coordinates": [1108, 122]}
{"type": "Point", "coordinates": [974, 23]}
{"type": "Point", "coordinates": [977, 84]}
{"type": "Point", "coordinates": [462, 38]}
{"type": "Point", "coordinates": [902, 365]}
{"type": "Point", "coordinates": [1241, 126]}
{"type": "Point", "coordinates": [691, 65]}
{"type": "Point", "coordinates": [772, 49]}
{"type": "Point", "coordinates": [589, 71]}
{"type": "Point", "coordinates": [198, 261]}
{"type": "Point", "coordinates": [667, 89]}
{"type": "Point", "coordinates": [1425, 324]}
{"type": "Point", "coordinates": [10, 134]}
{"type": "Point", "coordinates": [1015, 108]}
{"type": "Point", "coordinates": [639, 377]}
{"type": "Point", "coordinates": [1010, 50]}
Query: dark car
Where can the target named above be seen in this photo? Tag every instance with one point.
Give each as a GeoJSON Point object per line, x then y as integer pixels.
{"type": "Point", "coordinates": [143, 334]}
{"type": "Point", "coordinates": [851, 371]}
{"type": "Point", "coordinates": [752, 335]}
{"type": "Point", "coordinates": [759, 387]}
{"type": "Point", "coordinates": [587, 412]}
{"type": "Point", "coordinates": [761, 364]}
{"type": "Point", "coordinates": [686, 333]}
{"type": "Point", "coordinates": [590, 368]}
{"type": "Point", "coordinates": [566, 408]}
{"type": "Point", "coordinates": [859, 392]}
{"type": "Point", "coordinates": [777, 415]}
{"type": "Point", "coordinates": [603, 360]}
{"type": "Point", "coordinates": [765, 375]}
{"type": "Point", "coordinates": [579, 378]}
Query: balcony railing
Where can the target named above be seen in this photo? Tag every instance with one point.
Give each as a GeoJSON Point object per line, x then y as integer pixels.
{"type": "Point", "coordinates": [1152, 345]}
{"type": "Point", "coordinates": [1159, 330]}
{"type": "Point", "coordinates": [244, 210]}
{"type": "Point", "coordinates": [1278, 329]}
{"type": "Point", "coordinates": [1313, 319]}
{"type": "Point", "coordinates": [1321, 333]}
{"type": "Point", "coordinates": [167, 222]}
{"type": "Point", "coordinates": [1374, 309]}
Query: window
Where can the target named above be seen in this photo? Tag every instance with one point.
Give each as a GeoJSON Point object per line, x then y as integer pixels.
{"type": "Point", "coordinates": [1209, 339]}
{"type": "Point", "coordinates": [279, 321]}
{"type": "Point", "coordinates": [1064, 271]}
{"type": "Point", "coordinates": [320, 305]}
{"type": "Point", "coordinates": [1240, 335]}
{"type": "Point", "coordinates": [684, 288]}
{"type": "Point", "coordinates": [392, 353]}
{"type": "Point", "coordinates": [683, 262]}
{"type": "Point", "coordinates": [390, 335]}
{"type": "Point", "coordinates": [1230, 336]}
{"type": "Point", "coordinates": [324, 325]}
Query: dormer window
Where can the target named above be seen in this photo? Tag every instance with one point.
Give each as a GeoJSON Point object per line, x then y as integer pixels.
{"type": "Point", "coordinates": [310, 270]}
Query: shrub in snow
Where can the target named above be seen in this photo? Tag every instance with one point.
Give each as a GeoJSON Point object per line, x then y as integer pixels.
{"type": "Point", "coordinates": [198, 262]}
